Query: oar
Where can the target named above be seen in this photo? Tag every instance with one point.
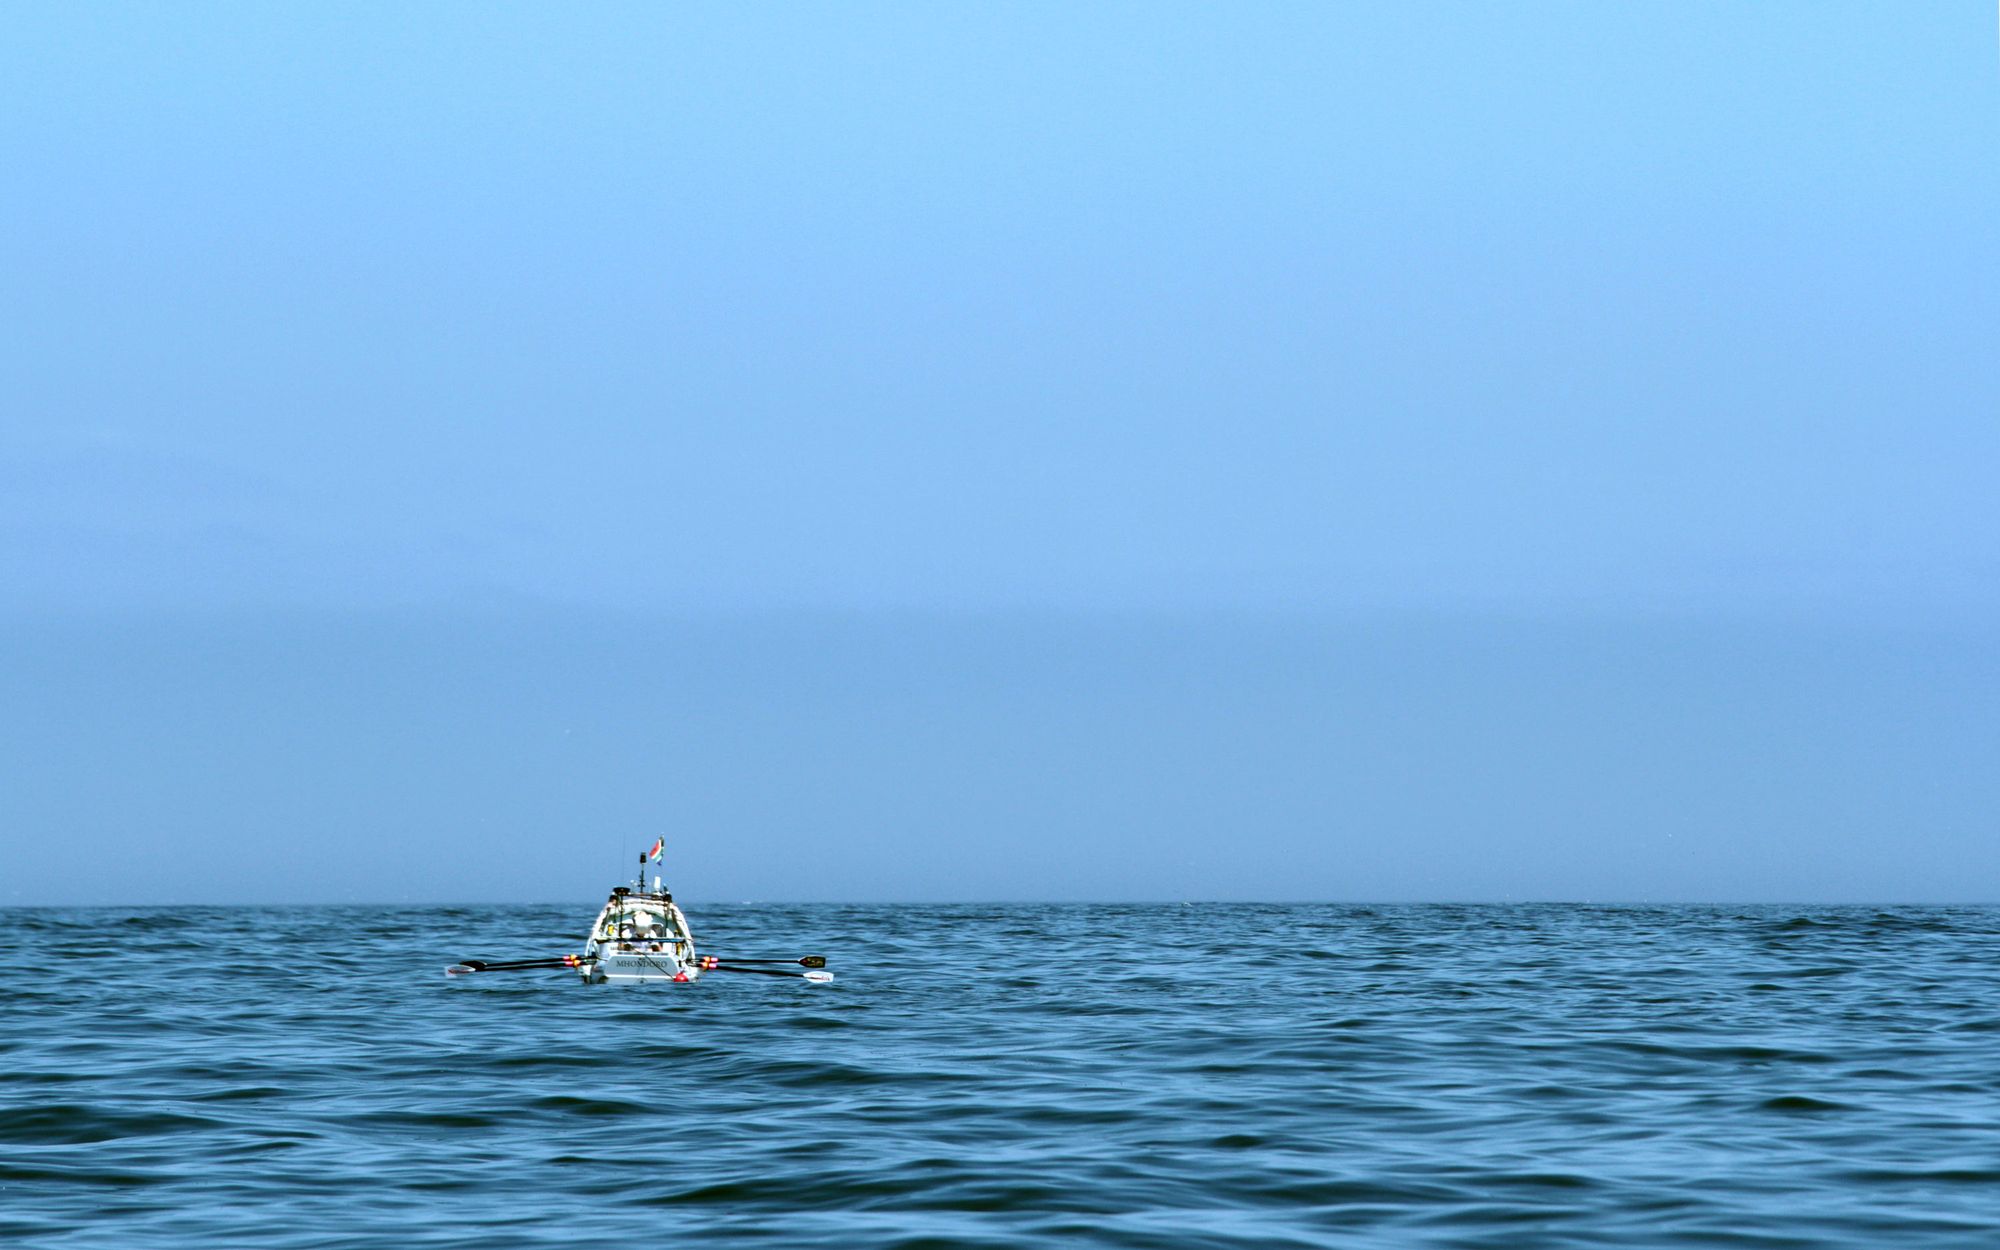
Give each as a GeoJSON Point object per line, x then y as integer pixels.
{"type": "Point", "coordinates": [817, 978]}
{"type": "Point", "coordinates": [512, 965]}
{"type": "Point", "coordinates": [555, 961]}
{"type": "Point", "coordinates": [810, 961]}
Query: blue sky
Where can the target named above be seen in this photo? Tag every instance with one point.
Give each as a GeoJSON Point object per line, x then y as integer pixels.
{"type": "Point", "coordinates": [1607, 358]}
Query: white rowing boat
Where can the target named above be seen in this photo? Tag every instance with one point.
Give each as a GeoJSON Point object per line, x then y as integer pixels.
{"type": "Point", "coordinates": [641, 937]}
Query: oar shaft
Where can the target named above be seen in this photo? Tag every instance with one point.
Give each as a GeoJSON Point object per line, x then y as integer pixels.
{"type": "Point", "coordinates": [755, 972]}
{"type": "Point", "coordinates": [809, 961]}
{"type": "Point", "coordinates": [511, 965]}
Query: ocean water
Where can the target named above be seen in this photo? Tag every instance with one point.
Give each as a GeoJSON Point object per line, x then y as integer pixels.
{"type": "Point", "coordinates": [1035, 1076]}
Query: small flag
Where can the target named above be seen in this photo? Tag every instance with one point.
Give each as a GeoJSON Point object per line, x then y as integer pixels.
{"type": "Point", "coordinates": [658, 847]}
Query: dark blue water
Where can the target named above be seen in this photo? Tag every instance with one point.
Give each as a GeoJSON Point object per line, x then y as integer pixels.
{"type": "Point", "coordinates": [1009, 1076]}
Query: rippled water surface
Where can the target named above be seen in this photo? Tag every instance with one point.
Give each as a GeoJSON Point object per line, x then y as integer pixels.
{"type": "Point", "coordinates": [1009, 1076]}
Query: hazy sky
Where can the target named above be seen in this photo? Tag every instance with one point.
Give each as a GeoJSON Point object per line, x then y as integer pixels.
{"type": "Point", "coordinates": [950, 451]}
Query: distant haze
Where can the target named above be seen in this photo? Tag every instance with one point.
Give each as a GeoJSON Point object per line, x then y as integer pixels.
{"type": "Point", "coordinates": [1043, 451]}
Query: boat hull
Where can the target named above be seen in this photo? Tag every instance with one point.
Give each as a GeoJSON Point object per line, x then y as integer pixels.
{"type": "Point", "coordinates": [638, 968]}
